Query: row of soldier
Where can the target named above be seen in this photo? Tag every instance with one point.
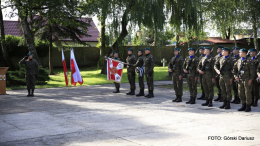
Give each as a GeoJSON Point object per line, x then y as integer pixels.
{"type": "Point", "coordinates": [229, 69]}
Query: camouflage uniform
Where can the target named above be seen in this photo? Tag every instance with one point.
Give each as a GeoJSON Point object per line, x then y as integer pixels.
{"type": "Point", "coordinates": [117, 85]}
{"type": "Point", "coordinates": [217, 79]}
{"type": "Point", "coordinates": [255, 86]}
{"type": "Point", "coordinates": [209, 73]}
{"type": "Point", "coordinates": [176, 65]}
{"type": "Point", "coordinates": [32, 70]}
{"type": "Point", "coordinates": [131, 71]}
{"type": "Point", "coordinates": [140, 63]}
{"type": "Point", "coordinates": [200, 79]}
{"type": "Point", "coordinates": [148, 71]}
{"type": "Point", "coordinates": [247, 73]}
{"type": "Point", "coordinates": [235, 84]}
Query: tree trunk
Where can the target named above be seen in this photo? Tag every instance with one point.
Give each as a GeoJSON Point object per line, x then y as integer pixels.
{"type": "Point", "coordinates": [228, 33]}
{"type": "Point", "coordinates": [103, 34]}
{"type": "Point", "coordinates": [50, 52]}
{"type": "Point", "coordinates": [26, 30]}
{"type": "Point", "coordinates": [3, 45]}
{"type": "Point", "coordinates": [255, 31]}
{"type": "Point", "coordinates": [235, 40]}
{"type": "Point", "coordinates": [177, 40]}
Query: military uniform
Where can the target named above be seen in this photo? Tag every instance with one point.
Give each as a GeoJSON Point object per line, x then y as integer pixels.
{"type": "Point", "coordinates": [200, 79]}
{"type": "Point", "coordinates": [255, 84]}
{"type": "Point", "coordinates": [235, 83]}
{"type": "Point", "coordinates": [190, 64]}
{"type": "Point", "coordinates": [131, 72]}
{"type": "Point", "coordinates": [117, 85]}
{"type": "Point", "coordinates": [32, 71]}
{"type": "Point", "coordinates": [220, 98]}
{"type": "Point", "coordinates": [176, 64]}
{"type": "Point", "coordinates": [225, 66]}
{"type": "Point", "coordinates": [140, 72]}
{"type": "Point", "coordinates": [207, 66]}
{"type": "Point", "coordinates": [148, 71]}
{"type": "Point", "coordinates": [244, 69]}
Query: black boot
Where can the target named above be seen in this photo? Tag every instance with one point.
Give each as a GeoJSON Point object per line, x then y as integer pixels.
{"type": "Point", "coordinates": [193, 100]}
{"type": "Point", "coordinates": [218, 98]}
{"type": "Point", "coordinates": [227, 105]}
{"type": "Point", "coordinates": [210, 103]}
{"type": "Point", "coordinates": [117, 91]}
{"type": "Point", "coordinates": [202, 97]}
{"type": "Point", "coordinates": [174, 100]}
{"type": "Point", "coordinates": [224, 104]}
{"type": "Point", "coordinates": [206, 103]}
{"type": "Point", "coordinates": [221, 99]}
{"type": "Point", "coordinates": [179, 99]}
{"type": "Point", "coordinates": [128, 93]}
{"type": "Point", "coordinates": [238, 101]}
{"type": "Point", "coordinates": [150, 95]}
{"type": "Point", "coordinates": [132, 92]}
{"type": "Point", "coordinates": [189, 100]}
{"type": "Point", "coordinates": [141, 93]}
{"type": "Point", "coordinates": [243, 108]}
{"type": "Point", "coordinates": [255, 103]}
{"type": "Point", "coordinates": [32, 92]}
{"type": "Point", "coordinates": [253, 99]}
{"type": "Point", "coordinates": [29, 94]}
{"type": "Point", "coordinates": [235, 99]}
{"type": "Point", "coordinates": [248, 108]}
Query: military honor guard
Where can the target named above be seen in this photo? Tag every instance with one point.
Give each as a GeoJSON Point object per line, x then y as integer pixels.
{"type": "Point", "coordinates": [148, 71]}
{"type": "Point", "coordinates": [117, 85]}
{"type": "Point", "coordinates": [235, 57]}
{"type": "Point", "coordinates": [131, 71]}
{"type": "Point", "coordinates": [201, 52]}
{"type": "Point", "coordinates": [218, 57]}
{"type": "Point", "coordinates": [255, 84]}
{"type": "Point", "coordinates": [139, 65]}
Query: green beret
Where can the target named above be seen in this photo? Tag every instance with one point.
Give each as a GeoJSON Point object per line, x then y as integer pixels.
{"type": "Point", "coordinates": [235, 48]}
{"type": "Point", "coordinates": [243, 50]}
{"type": "Point", "coordinates": [191, 49]}
{"type": "Point", "coordinates": [252, 50]}
{"type": "Point", "coordinates": [130, 49]}
{"type": "Point", "coordinates": [177, 49]}
{"type": "Point", "coordinates": [201, 47]}
{"type": "Point", "coordinates": [226, 49]}
{"type": "Point", "coordinates": [207, 48]}
{"type": "Point", "coordinates": [220, 47]}
{"type": "Point", "coordinates": [148, 49]}
{"type": "Point", "coordinates": [29, 54]}
{"type": "Point", "coordinates": [115, 52]}
{"type": "Point", "coordinates": [140, 50]}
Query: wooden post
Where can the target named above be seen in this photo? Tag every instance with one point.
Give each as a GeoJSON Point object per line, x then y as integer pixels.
{"type": "Point", "coordinates": [3, 79]}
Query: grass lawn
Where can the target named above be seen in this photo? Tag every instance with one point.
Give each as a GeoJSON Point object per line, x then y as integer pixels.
{"type": "Point", "coordinates": [91, 76]}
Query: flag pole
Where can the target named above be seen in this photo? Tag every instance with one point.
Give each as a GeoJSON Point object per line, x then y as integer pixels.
{"type": "Point", "coordinates": [70, 87]}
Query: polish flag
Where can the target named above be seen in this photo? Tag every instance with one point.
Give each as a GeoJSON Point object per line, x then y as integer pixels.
{"type": "Point", "coordinates": [114, 70]}
{"type": "Point", "coordinates": [75, 73]}
{"type": "Point", "coordinates": [64, 68]}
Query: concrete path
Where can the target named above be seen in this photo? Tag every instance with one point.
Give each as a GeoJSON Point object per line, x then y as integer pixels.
{"type": "Point", "coordinates": [92, 115]}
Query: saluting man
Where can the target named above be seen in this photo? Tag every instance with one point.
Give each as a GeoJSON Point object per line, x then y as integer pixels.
{"type": "Point", "coordinates": [206, 69]}
{"type": "Point", "coordinates": [244, 73]}
{"type": "Point", "coordinates": [130, 60]}
{"type": "Point", "coordinates": [190, 67]}
{"type": "Point", "coordinates": [175, 67]}
{"type": "Point", "coordinates": [217, 57]}
{"type": "Point", "coordinates": [139, 65]}
{"type": "Point", "coordinates": [201, 51]}
{"type": "Point", "coordinates": [148, 71]}
{"type": "Point", "coordinates": [224, 67]}
{"type": "Point", "coordinates": [236, 99]}
{"type": "Point", "coordinates": [32, 71]}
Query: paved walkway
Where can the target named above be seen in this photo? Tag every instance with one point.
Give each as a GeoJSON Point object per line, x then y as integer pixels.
{"type": "Point", "coordinates": [92, 115]}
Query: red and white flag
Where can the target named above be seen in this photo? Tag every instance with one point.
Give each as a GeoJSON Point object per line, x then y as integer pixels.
{"type": "Point", "coordinates": [64, 68]}
{"type": "Point", "coordinates": [114, 70]}
{"type": "Point", "coordinates": [75, 73]}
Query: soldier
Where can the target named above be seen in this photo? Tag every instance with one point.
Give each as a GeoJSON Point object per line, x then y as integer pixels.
{"type": "Point", "coordinates": [117, 85]}
{"type": "Point", "coordinates": [140, 71]}
{"type": "Point", "coordinates": [190, 67]}
{"type": "Point", "coordinates": [148, 71]}
{"type": "Point", "coordinates": [206, 70]}
{"type": "Point", "coordinates": [224, 67]}
{"type": "Point", "coordinates": [244, 73]}
{"type": "Point", "coordinates": [32, 71]}
{"type": "Point", "coordinates": [175, 67]}
{"type": "Point", "coordinates": [201, 51]}
{"type": "Point", "coordinates": [131, 71]}
{"type": "Point", "coordinates": [255, 84]}
{"type": "Point", "coordinates": [217, 57]}
{"type": "Point", "coordinates": [236, 99]}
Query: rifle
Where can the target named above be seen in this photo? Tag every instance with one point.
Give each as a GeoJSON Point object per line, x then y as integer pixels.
{"type": "Point", "coordinates": [221, 69]}
{"type": "Point", "coordinates": [241, 68]}
{"type": "Point", "coordinates": [203, 67]}
{"type": "Point", "coordinates": [188, 67]}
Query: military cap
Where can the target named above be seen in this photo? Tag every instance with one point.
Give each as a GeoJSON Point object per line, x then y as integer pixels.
{"type": "Point", "coordinates": [130, 49]}
{"type": "Point", "coordinates": [220, 47]}
{"type": "Point", "coordinates": [243, 50]}
{"type": "Point", "coordinates": [226, 49]}
{"type": "Point", "coordinates": [207, 48]}
{"type": "Point", "coordinates": [252, 50]}
{"type": "Point", "coordinates": [201, 47]}
{"type": "Point", "coordinates": [140, 50]}
{"type": "Point", "coordinates": [115, 52]}
{"type": "Point", "coordinates": [177, 49]}
{"type": "Point", "coordinates": [235, 48]}
{"type": "Point", "coordinates": [191, 49]}
{"type": "Point", "coordinates": [148, 49]}
{"type": "Point", "coordinates": [29, 54]}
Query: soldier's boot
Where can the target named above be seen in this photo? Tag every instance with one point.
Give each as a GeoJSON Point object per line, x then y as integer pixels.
{"type": "Point", "coordinates": [147, 94]}
{"type": "Point", "coordinates": [243, 108]}
{"type": "Point", "coordinates": [193, 100]}
{"type": "Point", "coordinates": [117, 91]}
{"type": "Point", "coordinates": [221, 99]}
{"type": "Point", "coordinates": [255, 103]}
{"type": "Point", "coordinates": [210, 102]}
{"type": "Point", "coordinates": [174, 100]}
{"type": "Point", "coordinates": [228, 105]}
{"type": "Point", "coordinates": [206, 103]}
{"type": "Point", "coordinates": [32, 92]}
{"type": "Point", "coordinates": [223, 105]}
{"type": "Point", "coordinates": [218, 98]}
{"type": "Point", "coordinates": [29, 94]}
{"type": "Point", "coordinates": [253, 99]}
{"type": "Point", "coordinates": [202, 97]}
{"type": "Point", "coordinates": [188, 102]}
{"type": "Point", "coordinates": [235, 99]}
{"type": "Point", "coordinates": [128, 93]}
{"type": "Point", "coordinates": [179, 99]}
{"type": "Point", "coordinates": [132, 92]}
{"type": "Point", "coordinates": [248, 108]}
{"type": "Point", "coordinates": [238, 101]}
{"type": "Point", "coordinates": [141, 93]}
{"type": "Point", "coordinates": [150, 95]}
